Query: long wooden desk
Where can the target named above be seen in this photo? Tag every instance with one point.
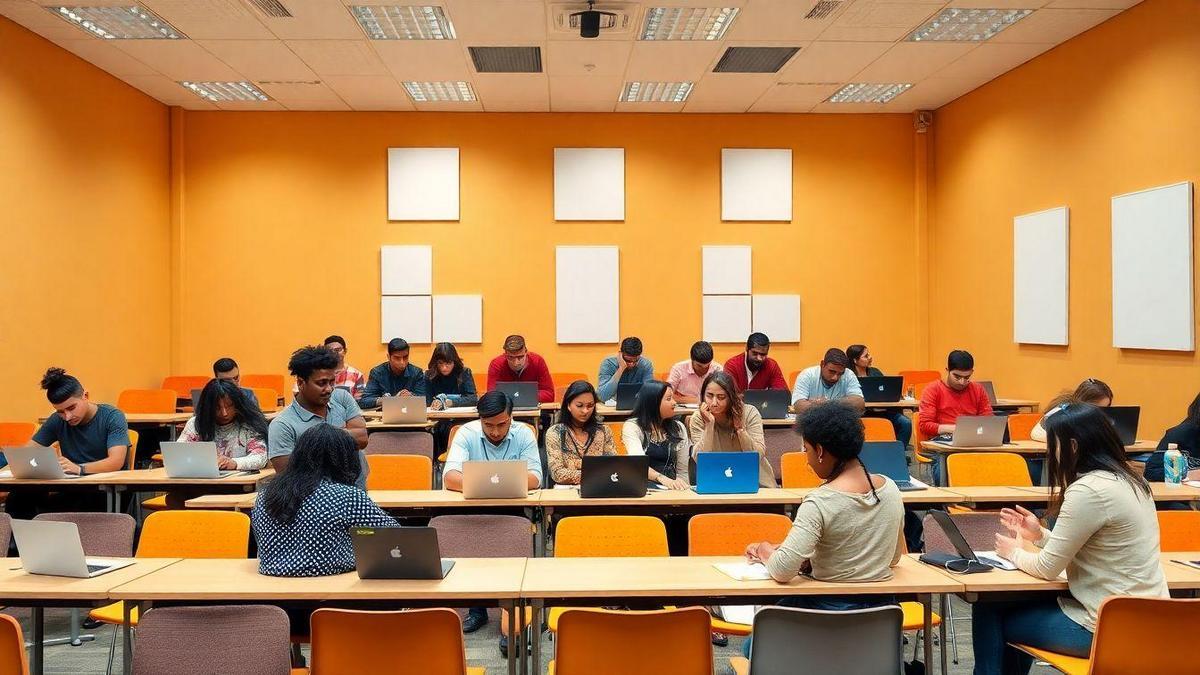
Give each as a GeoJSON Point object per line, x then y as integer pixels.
{"type": "Point", "coordinates": [1028, 449]}
{"type": "Point", "coordinates": [170, 420]}
{"type": "Point", "coordinates": [143, 480]}
{"type": "Point", "coordinates": [1179, 577]}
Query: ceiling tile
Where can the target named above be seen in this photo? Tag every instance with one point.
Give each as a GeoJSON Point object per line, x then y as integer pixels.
{"type": "Point", "coordinates": [849, 108]}
{"type": "Point", "coordinates": [930, 94]}
{"type": "Point", "coordinates": [338, 57]}
{"type": "Point", "coordinates": [211, 19]}
{"type": "Point", "coordinates": [314, 20]}
{"type": "Point", "coordinates": [649, 107]}
{"type": "Point", "coordinates": [105, 55]}
{"type": "Point", "coordinates": [513, 92]}
{"type": "Point", "coordinates": [254, 106]}
{"type": "Point", "coordinates": [1093, 4]}
{"type": "Point", "coordinates": [423, 60]}
{"type": "Point", "coordinates": [298, 105]}
{"type": "Point", "coordinates": [179, 60]}
{"type": "Point", "coordinates": [1000, 4]}
{"type": "Point", "coordinates": [793, 98]}
{"type": "Point", "coordinates": [584, 94]}
{"type": "Point", "coordinates": [1054, 25]}
{"type": "Point", "coordinates": [260, 59]}
{"type": "Point", "coordinates": [168, 91]}
{"type": "Point", "coordinates": [778, 20]}
{"type": "Point", "coordinates": [913, 61]}
{"type": "Point", "coordinates": [449, 106]}
{"type": "Point", "coordinates": [587, 59]}
{"type": "Point", "coordinates": [673, 61]}
{"type": "Point", "coordinates": [989, 60]}
{"type": "Point", "coordinates": [732, 92]}
{"type": "Point", "coordinates": [831, 61]}
{"type": "Point", "coordinates": [304, 95]}
{"type": "Point", "coordinates": [878, 21]}
{"type": "Point", "coordinates": [478, 21]}
{"type": "Point", "coordinates": [370, 92]}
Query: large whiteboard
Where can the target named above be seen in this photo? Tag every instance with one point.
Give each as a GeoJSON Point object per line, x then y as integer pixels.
{"type": "Point", "coordinates": [1152, 269]}
{"type": "Point", "coordinates": [587, 305]}
{"type": "Point", "coordinates": [1040, 277]}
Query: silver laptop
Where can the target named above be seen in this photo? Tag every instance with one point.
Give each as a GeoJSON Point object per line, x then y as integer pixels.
{"type": "Point", "coordinates": [35, 463]}
{"type": "Point", "coordinates": [990, 390]}
{"type": "Point", "coordinates": [406, 409]}
{"type": "Point", "coordinates": [979, 432]}
{"type": "Point", "coordinates": [495, 480]}
{"type": "Point", "coordinates": [192, 460]}
{"type": "Point", "coordinates": [54, 548]}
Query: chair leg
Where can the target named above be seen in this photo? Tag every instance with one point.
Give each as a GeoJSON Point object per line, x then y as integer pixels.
{"type": "Point", "coordinates": [953, 632]}
{"type": "Point", "coordinates": [112, 649]}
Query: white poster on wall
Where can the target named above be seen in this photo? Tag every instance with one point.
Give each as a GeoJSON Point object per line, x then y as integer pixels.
{"type": "Point", "coordinates": [726, 318]}
{"type": "Point", "coordinates": [778, 317]}
{"type": "Point", "coordinates": [458, 318]}
{"type": "Point", "coordinates": [406, 270]}
{"type": "Point", "coordinates": [756, 184]}
{"type": "Point", "coordinates": [406, 316]}
{"type": "Point", "coordinates": [589, 184]}
{"type": "Point", "coordinates": [423, 184]}
{"type": "Point", "coordinates": [587, 294]}
{"type": "Point", "coordinates": [725, 270]}
{"type": "Point", "coordinates": [1041, 274]}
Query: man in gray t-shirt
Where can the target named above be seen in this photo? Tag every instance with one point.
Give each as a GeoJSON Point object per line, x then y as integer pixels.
{"type": "Point", "coordinates": [316, 402]}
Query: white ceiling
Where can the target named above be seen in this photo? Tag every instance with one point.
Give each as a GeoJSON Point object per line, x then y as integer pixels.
{"type": "Point", "coordinates": [320, 59]}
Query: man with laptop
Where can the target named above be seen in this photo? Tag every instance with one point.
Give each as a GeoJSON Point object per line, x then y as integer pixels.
{"type": "Point", "coordinates": [625, 367]}
{"type": "Point", "coordinates": [518, 364]}
{"type": "Point", "coordinates": [829, 381]}
{"type": "Point", "coordinates": [394, 377]}
{"type": "Point", "coordinates": [944, 401]}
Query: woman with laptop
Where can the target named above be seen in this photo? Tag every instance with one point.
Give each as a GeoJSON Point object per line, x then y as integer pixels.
{"type": "Point", "coordinates": [449, 383]}
{"type": "Point", "coordinates": [725, 424]}
{"type": "Point", "coordinates": [863, 365]}
{"type": "Point", "coordinates": [1090, 390]}
{"type": "Point", "coordinates": [1186, 435]}
{"type": "Point", "coordinates": [225, 416]}
{"type": "Point", "coordinates": [654, 432]}
{"type": "Point", "coordinates": [1105, 537]}
{"type": "Point", "coordinates": [577, 434]}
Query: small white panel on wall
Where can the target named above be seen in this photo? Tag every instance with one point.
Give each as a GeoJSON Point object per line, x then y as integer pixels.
{"type": "Point", "coordinates": [589, 184]}
{"type": "Point", "coordinates": [725, 270]}
{"type": "Point", "coordinates": [756, 184]}
{"type": "Point", "coordinates": [406, 270]}
{"type": "Point", "coordinates": [458, 318]}
{"type": "Point", "coordinates": [587, 294]}
{"type": "Point", "coordinates": [726, 318]}
{"type": "Point", "coordinates": [405, 316]}
{"type": "Point", "coordinates": [422, 183]}
{"type": "Point", "coordinates": [777, 316]}
{"type": "Point", "coordinates": [1152, 269]}
{"type": "Point", "coordinates": [1041, 274]}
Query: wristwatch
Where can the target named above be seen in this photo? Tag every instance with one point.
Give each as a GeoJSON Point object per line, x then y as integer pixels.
{"type": "Point", "coordinates": [82, 471]}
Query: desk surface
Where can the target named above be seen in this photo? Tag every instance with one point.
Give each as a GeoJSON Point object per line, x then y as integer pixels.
{"type": "Point", "coordinates": [197, 579]}
{"type": "Point", "coordinates": [453, 414]}
{"type": "Point", "coordinates": [979, 494]}
{"type": "Point", "coordinates": [388, 499]}
{"type": "Point", "coordinates": [1179, 577]}
{"type": "Point", "coordinates": [143, 478]}
{"type": "Point", "coordinates": [16, 584]}
{"type": "Point", "coordinates": [567, 497]}
{"type": "Point", "coordinates": [1034, 448]}
{"type": "Point", "coordinates": [149, 418]}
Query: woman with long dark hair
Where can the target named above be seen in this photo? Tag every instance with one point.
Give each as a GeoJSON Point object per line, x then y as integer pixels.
{"type": "Point", "coordinates": [653, 431]}
{"type": "Point", "coordinates": [863, 365]}
{"type": "Point", "coordinates": [1105, 537]}
{"type": "Point", "coordinates": [1090, 390]}
{"type": "Point", "coordinates": [577, 434]}
{"type": "Point", "coordinates": [225, 416]}
{"type": "Point", "coordinates": [449, 382]}
{"type": "Point", "coordinates": [725, 424]}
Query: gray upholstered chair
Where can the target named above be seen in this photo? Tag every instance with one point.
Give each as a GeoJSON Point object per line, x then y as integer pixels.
{"type": "Point", "coordinates": [855, 641]}
{"type": "Point", "coordinates": [218, 639]}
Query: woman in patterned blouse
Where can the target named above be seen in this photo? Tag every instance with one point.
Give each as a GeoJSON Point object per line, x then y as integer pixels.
{"type": "Point", "coordinates": [225, 416]}
{"type": "Point", "coordinates": [578, 432]}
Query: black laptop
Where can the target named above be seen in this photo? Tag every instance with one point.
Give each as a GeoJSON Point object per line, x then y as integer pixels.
{"type": "Point", "coordinates": [1124, 419]}
{"type": "Point", "coordinates": [772, 404]}
{"type": "Point", "coordinates": [524, 395]}
{"type": "Point", "coordinates": [398, 553]}
{"type": "Point", "coordinates": [887, 458]}
{"type": "Point", "coordinates": [884, 389]}
{"type": "Point", "coordinates": [614, 476]}
{"type": "Point", "coordinates": [627, 395]}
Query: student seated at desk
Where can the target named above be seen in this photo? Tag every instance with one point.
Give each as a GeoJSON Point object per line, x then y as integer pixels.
{"type": "Point", "coordinates": [753, 369]}
{"type": "Point", "coordinates": [393, 377]}
{"type": "Point", "coordinates": [1105, 536]}
{"type": "Point", "coordinates": [492, 438]}
{"type": "Point", "coordinates": [227, 369]}
{"type": "Point", "coordinates": [518, 364]}
{"type": "Point", "coordinates": [348, 377]}
{"type": "Point", "coordinates": [577, 434]}
{"type": "Point", "coordinates": [945, 401]}
{"type": "Point", "coordinates": [863, 365]}
{"type": "Point", "coordinates": [93, 438]}
{"type": "Point", "coordinates": [224, 416]}
{"type": "Point", "coordinates": [829, 381]}
{"type": "Point", "coordinates": [686, 377]}
{"type": "Point", "coordinates": [725, 424]}
{"type": "Point", "coordinates": [449, 383]}
{"type": "Point", "coordinates": [625, 367]}
{"type": "Point", "coordinates": [1186, 435]}
{"type": "Point", "coordinates": [846, 530]}
{"type": "Point", "coordinates": [302, 518]}
{"type": "Point", "coordinates": [654, 432]}
{"type": "Point", "coordinates": [1089, 391]}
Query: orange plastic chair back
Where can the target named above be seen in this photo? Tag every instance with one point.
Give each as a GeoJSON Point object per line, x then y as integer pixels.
{"type": "Point", "coordinates": [1021, 425]}
{"type": "Point", "coordinates": [268, 400]}
{"type": "Point", "coordinates": [791, 378]}
{"type": "Point", "coordinates": [1119, 647]}
{"type": "Point", "coordinates": [914, 377]}
{"type": "Point", "coordinates": [12, 647]}
{"type": "Point", "coordinates": [919, 390]}
{"type": "Point", "coordinates": [796, 471]}
{"type": "Point", "coordinates": [400, 472]}
{"type": "Point", "coordinates": [610, 537]}
{"type": "Point", "coordinates": [564, 379]}
{"type": "Point", "coordinates": [597, 642]}
{"type": "Point", "coordinates": [131, 454]}
{"type": "Point", "coordinates": [16, 434]}
{"type": "Point", "coordinates": [355, 641]}
{"type": "Point", "coordinates": [878, 429]}
{"type": "Point", "coordinates": [1179, 531]}
{"type": "Point", "coordinates": [195, 534]}
{"type": "Point", "coordinates": [183, 385]}
{"type": "Point", "coordinates": [618, 442]}
{"type": "Point", "coordinates": [480, 382]}
{"type": "Point", "coordinates": [148, 400]}
{"type": "Point", "coordinates": [273, 382]}
{"type": "Point", "coordinates": [966, 469]}
{"type": "Point", "coordinates": [731, 533]}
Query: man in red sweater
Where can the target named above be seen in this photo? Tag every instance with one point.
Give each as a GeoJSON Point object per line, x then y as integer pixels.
{"type": "Point", "coordinates": [753, 369]}
{"type": "Point", "coordinates": [944, 402]}
{"type": "Point", "coordinates": [518, 364]}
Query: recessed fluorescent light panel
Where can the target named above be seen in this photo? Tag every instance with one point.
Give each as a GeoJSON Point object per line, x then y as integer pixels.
{"type": "Point", "coordinates": [965, 24]}
{"type": "Point", "coordinates": [656, 92]}
{"type": "Point", "coordinates": [403, 22]}
{"type": "Point", "coordinates": [868, 93]}
{"type": "Point", "coordinates": [687, 23]}
{"type": "Point", "coordinates": [423, 92]}
{"type": "Point", "coordinates": [119, 23]}
{"type": "Point", "coordinates": [226, 91]}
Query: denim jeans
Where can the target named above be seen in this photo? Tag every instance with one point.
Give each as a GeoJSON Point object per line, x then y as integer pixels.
{"type": "Point", "coordinates": [833, 603]}
{"type": "Point", "coordinates": [1037, 623]}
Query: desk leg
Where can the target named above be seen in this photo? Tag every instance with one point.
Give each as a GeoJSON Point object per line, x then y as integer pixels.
{"type": "Point", "coordinates": [38, 653]}
{"type": "Point", "coordinates": [126, 641]}
{"type": "Point", "coordinates": [173, 433]}
{"type": "Point", "coordinates": [110, 499]}
{"type": "Point", "coordinates": [515, 641]}
{"type": "Point", "coordinates": [942, 644]}
{"type": "Point", "coordinates": [536, 632]}
{"type": "Point", "coordinates": [927, 602]}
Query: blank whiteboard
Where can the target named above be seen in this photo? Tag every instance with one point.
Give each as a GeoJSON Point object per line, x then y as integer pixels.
{"type": "Point", "coordinates": [589, 184]}
{"type": "Point", "coordinates": [458, 318]}
{"type": "Point", "coordinates": [725, 270]}
{"type": "Point", "coordinates": [777, 316]}
{"type": "Point", "coordinates": [406, 270]}
{"type": "Point", "coordinates": [726, 318]}
{"type": "Point", "coordinates": [405, 316]}
{"type": "Point", "coordinates": [587, 294]}
{"type": "Point", "coordinates": [1040, 277]}
{"type": "Point", "coordinates": [1152, 269]}
{"type": "Point", "coordinates": [422, 183]}
{"type": "Point", "coordinates": [756, 184]}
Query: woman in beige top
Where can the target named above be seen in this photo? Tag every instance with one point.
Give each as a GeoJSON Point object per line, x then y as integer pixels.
{"type": "Point", "coordinates": [1090, 390]}
{"type": "Point", "coordinates": [724, 424]}
{"type": "Point", "coordinates": [1105, 538]}
{"type": "Point", "coordinates": [577, 434]}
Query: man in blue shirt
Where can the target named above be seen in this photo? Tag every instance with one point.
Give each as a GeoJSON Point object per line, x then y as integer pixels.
{"type": "Point", "coordinates": [830, 381]}
{"type": "Point", "coordinates": [394, 377]}
{"type": "Point", "coordinates": [626, 367]}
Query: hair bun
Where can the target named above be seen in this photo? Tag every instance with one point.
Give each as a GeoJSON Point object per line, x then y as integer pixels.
{"type": "Point", "coordinates": [53, 377]}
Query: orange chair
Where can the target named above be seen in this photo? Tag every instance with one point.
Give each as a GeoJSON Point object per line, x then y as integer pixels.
{"type": "Point", "coordinates": [16, 434]}
{"type": "Point", "coordinates": [918, 439]}
{"type": "Point", "coordinates": [1020, 425]}
{"type": "Point", "coordinates": [12, 647]}
{"type": "Point", "coordinates": [796, 471]}
{"type": "Point", "coordinates": [662, 375]}
{"type": "Point", "coordinates": [878, 429]}
{"type": "Point", "coordinates": [272, 382]}
{"type": "Point", "coordinates": [618, 442]}
{"type": "Point", "coordinates": [268, 400]}
{"type": "Point", "coordinates": [914, 377]}
{"type": "Point", "coordinates": [562, 381]}
{"type": "Point", "coordinates": [148, 401]}
{"type": "Point", "coordinates": [480, 382]}
{"type": "Point", "coordinates": [966, 469]}
{"type": "Point", "coordinates": [1119, 646]}
{"type": "Point", "coordinates": [599, 642]}
{"type": "Point", "coordinates": [184, 384]}
{"type": "Point", "coordinates": [791, 378]}
{"type": "Point", "coordinates": [131, 454]}
{"type": "Point", "coordinates": [355, 641]}
{"type": "Point", "coordinates": [730, 534]}
{"type": "Point", "coordinates": [1178, 531]}
{"type": "Point", "coordinates": [399, 472]}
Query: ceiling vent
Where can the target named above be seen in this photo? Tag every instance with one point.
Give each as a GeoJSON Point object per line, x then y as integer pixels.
{"type": "Point", "coordinates": [754, 59]}
{"type": "Point", "coordinates": [507, 59]}
{"type": "Point", "coordinates": [271, 8]}
{"type": "Point", "coordinates": [824, 9]}
{"type": "Point", "coordinates": [622, 20]}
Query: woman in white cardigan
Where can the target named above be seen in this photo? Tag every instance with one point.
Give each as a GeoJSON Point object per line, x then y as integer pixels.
{"type": "Point", "coordinates": [653, 431]}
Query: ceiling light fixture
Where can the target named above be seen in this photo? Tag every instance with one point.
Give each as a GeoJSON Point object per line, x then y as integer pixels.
{"type": "Point", "coordinates": [131, 22]}
{"type": "Point", "coordinates": [687, 23]}
{"type": "Point", "coordinates": [424, 92]}
{"type": "Point", "coordinates": [656, 92]}
{"type": "Point", "coordinates": [226, 91]}
{"type": "Point", "coordinates": [403, 22]}
{"type": "Point", "coordinates": [862, 92]}
{"type": "Point", "coordinates": [967, 24]}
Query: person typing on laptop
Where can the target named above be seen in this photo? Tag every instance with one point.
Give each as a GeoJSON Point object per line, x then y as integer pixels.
{"type": "Point", "coordinates": [393, 377]}
{"type": "Point", "coordinates": [227, 418]}
{"type": "Point", "coordinates": [753, 369]}
{"type": "Point", "coordinates": [625, 367]}
{"type": "Point", "coordinates": [653, 431]}
{"type": "Point", "coordinates": [946, 400]}
{"type": "Point", "coordinates": [725, 424]}
{"type": "Point", "coordinates": [829, 381]}
{"type": "Point", "coordinates": [577, 434]}
{"type": "Point", "coordinates": [518, 364]}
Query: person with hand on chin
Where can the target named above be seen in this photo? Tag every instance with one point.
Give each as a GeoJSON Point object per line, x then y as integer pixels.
{"type": "Point", "coordinates": [653, 431]}
{"type": "Point", "coordinates": [724, 424]}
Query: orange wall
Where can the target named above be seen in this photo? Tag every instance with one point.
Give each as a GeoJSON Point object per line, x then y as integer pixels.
{"type": "Point", "coordinates": [84, 191]}
{"type": "Point", "coordinates": [1110, 112]}
{"type": "Point", "coordinates": [285, 213]}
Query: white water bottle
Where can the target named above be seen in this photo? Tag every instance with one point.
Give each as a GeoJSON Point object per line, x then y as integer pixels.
{"type": "Point", "coordinates": [1174, 466]}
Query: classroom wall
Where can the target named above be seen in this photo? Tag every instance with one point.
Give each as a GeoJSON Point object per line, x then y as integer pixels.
{"type": "Point", "coordinates": [285, 213]}
{"type": "Point", "coordinates": [84, 162]}
{"type": "Point", "coordinates": [1109, 112]}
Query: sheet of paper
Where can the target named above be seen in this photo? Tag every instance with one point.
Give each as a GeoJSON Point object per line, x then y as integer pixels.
{"type": "Point", "coordinates": [744, 571]}
{"type": "Point", "coordinates": [743, 614]}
